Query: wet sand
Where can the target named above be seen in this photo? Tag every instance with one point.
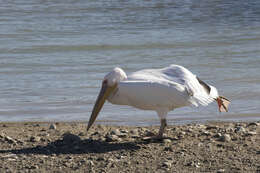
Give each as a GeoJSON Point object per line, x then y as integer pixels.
{"type": "Point", "coordinates": [67, 147]}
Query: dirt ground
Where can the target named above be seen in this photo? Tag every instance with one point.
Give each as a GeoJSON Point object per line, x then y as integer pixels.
{"type": "Point", "coordinates": [67, 147]}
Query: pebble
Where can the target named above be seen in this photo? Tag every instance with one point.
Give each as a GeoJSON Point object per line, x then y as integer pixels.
{"type": "Point", "coordinates": [221, 170]}
{"type": "Point", "coordinates": [53, 127]}
{"type": "Point", "coordinates": [225, 138]}
{"type": "Point", "coordinates": [134, 136]}
{"type": "Point", "coordinates": [253, 124]}
{"type": "Point", "coordinates": [168, 149]}
{"type": "Point", "coordinates": [115, 132]}
{"type": "Point", "coordinates": [35, 139]}
{"type": "Point", "coordinates": [240, 129]}
{"type": "Point", "coordinates": [121, 134]}
{"type": "Point", "coordinates": [206, 133]}
{"type": "Point", "coordinates": [211, 127]}
{"type": "Point", "coordinates": [201, 126]}
{"type": "Point", "coordinates": [218, 135]}
{"type": "Point", "coordinates": [12, 156]}
{"type": "Point", "coordinates": [81, 134]}
{"type": "Point", "coordinates": [167, 141]}
{"type": "Point", "coordinates": [195, 164]}
{"type": "Point", "coordinates": [134, 132]}
{"type": "Point", "coordinates": [183, 133]}
{"type": "Point", "coordinates": [91, 164]}
{"type": "Point", "coordinates": [200, 144]}
{"type": "Point", "coordinates": [251, 133]}
{"type": "Point", "coordinates": [9, 140]}
{"type": "Point", "coordinates": [123, 131]}
{"type": "Point", "coordinates": [166, 164]}
{"type": "Point", "coordinates": [111, 138]}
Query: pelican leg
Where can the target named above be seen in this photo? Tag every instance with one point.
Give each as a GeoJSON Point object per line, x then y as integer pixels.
{"type": "Point", "coordinates": [162, 113]}
{"type": "Point", "coordinates": [162, 128]}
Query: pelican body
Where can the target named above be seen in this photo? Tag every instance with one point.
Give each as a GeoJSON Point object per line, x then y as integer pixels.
{"type": "Point", "coordinates": [161, 90]}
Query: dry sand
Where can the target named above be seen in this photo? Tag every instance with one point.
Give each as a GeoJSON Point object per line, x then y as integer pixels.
{"type": "Point", "coordinates": [66, 147]}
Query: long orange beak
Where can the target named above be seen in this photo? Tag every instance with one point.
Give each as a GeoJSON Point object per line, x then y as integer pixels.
{"type": "Point", "coordinates": [103, 95]}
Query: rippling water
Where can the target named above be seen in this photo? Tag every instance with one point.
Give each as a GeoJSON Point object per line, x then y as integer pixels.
{"type": "Point", "coordinates": [54, 54]}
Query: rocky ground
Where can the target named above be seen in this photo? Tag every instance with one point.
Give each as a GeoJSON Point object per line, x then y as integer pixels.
{"type": "Point", "coordinates": [66, 147]}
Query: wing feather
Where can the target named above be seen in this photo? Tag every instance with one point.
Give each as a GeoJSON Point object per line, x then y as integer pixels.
{"type": "Point", "coordinates": [179, 77]}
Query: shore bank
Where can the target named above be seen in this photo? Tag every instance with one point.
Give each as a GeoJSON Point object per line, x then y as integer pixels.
{"type": "Point", "coordinates": [67, 147]}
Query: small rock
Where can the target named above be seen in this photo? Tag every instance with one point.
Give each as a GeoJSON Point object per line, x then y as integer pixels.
{"type": "Point", "coordinates": [9, 140]}
{"type": "Point", "coordinates": [110, 160]}
{"type": "Point", "coordinates": [35, 139]}
{"type": "Point", "coordinates": [218, 135]}
{"type": "Point", "coordinates": [168, 149]}
{"type": "Point", "coordinates": [10, 156]}
{"type": "Point", "coordinates": [148, 133]}
{"type": "Point", "coordinates": [34, 167]}
{"type": "Point", "coordinates": [200, 144]}
{"type": "Point", "coordinates": [194, 164]}
{"type": "Point", "coordinates": [206, 133]}
{"type": "Point", "coordinates": [111, 138]}
{"type": "Point", "coordinates": [190, 130]}
{"type": "Point", "coordinates": [134, 132]}
{"type": "Point", "coordinates": [119, 133]}
{"type": "Point", "coordinates": [166, 164]}
{"type": "Point", "coordinates": [251, 133]}
{"type": "Point", "coordinates": [134, 136]}
{"type": "Point", "coordinates": [240, 129]}
{"type": "Point", "coordinates": [81, 134]}
{"type": "Point", "coordinates": [201, 126]}
{"type": "Point", "coordinates": [91, 164]}
{"type": "Point", "coordinates": [100, 158]}
{"type": "Point", "coordinates": [167, 141]}
{"type": "Point", "coordinates": [115, 132]}
{"type": "Point", "coordinates": [53, 127]}
{"type": "Point", "coordinates": [183, 133]}
{"type": "Point", "coordinates": [68, 157]}
{"type": "Point", "coordinates": [221, 170]}
{"type": "Point", "coordinates": [225, 138]}
{"type": "Point", "coordinates": [123, 131]}
{"type": "Point", "coordinates": [211, 127]}
{"type": "Point", "coordinates": [253, 124]}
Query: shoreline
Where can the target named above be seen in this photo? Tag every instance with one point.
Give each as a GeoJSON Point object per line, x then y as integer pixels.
{"type": "Point", "coordinates": [66, 147]}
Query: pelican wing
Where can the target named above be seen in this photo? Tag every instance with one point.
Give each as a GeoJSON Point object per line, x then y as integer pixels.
{"type": "Point", "coordinates": [177, 77]}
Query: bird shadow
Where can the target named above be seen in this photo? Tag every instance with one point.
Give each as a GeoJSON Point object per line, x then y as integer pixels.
{"type": "Point", "coordinates": [75, 145]}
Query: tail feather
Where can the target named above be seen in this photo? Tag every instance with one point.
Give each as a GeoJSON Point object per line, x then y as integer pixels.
{"type": "Point", "coordinates": [223, 104]}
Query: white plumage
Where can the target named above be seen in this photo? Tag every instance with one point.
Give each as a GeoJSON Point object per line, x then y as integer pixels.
{"type": "Point", "coordinates": [161, 90]}
{"type": "Point", "coordinates": [168, 88]}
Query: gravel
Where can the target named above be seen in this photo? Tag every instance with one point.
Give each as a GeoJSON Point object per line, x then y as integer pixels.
{"type": "Point", "coordinates": [211, 147]}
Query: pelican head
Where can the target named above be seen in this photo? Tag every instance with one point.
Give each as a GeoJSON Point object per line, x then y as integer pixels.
{"type": "Point", "coordinates": [109, 85]}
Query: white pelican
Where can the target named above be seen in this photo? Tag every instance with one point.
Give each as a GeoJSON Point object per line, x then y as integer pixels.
{"type": "Point", "coordinates": [161, 90]}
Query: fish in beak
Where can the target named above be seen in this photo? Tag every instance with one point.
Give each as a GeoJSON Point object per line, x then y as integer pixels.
{"type": "Point", "coordinates": [103, 95]}
{"type": "Point", "coordinates": [222, 104]}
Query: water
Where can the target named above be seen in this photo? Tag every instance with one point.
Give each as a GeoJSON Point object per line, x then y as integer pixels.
{"type": "Point", "coordinates": [54, 54]}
